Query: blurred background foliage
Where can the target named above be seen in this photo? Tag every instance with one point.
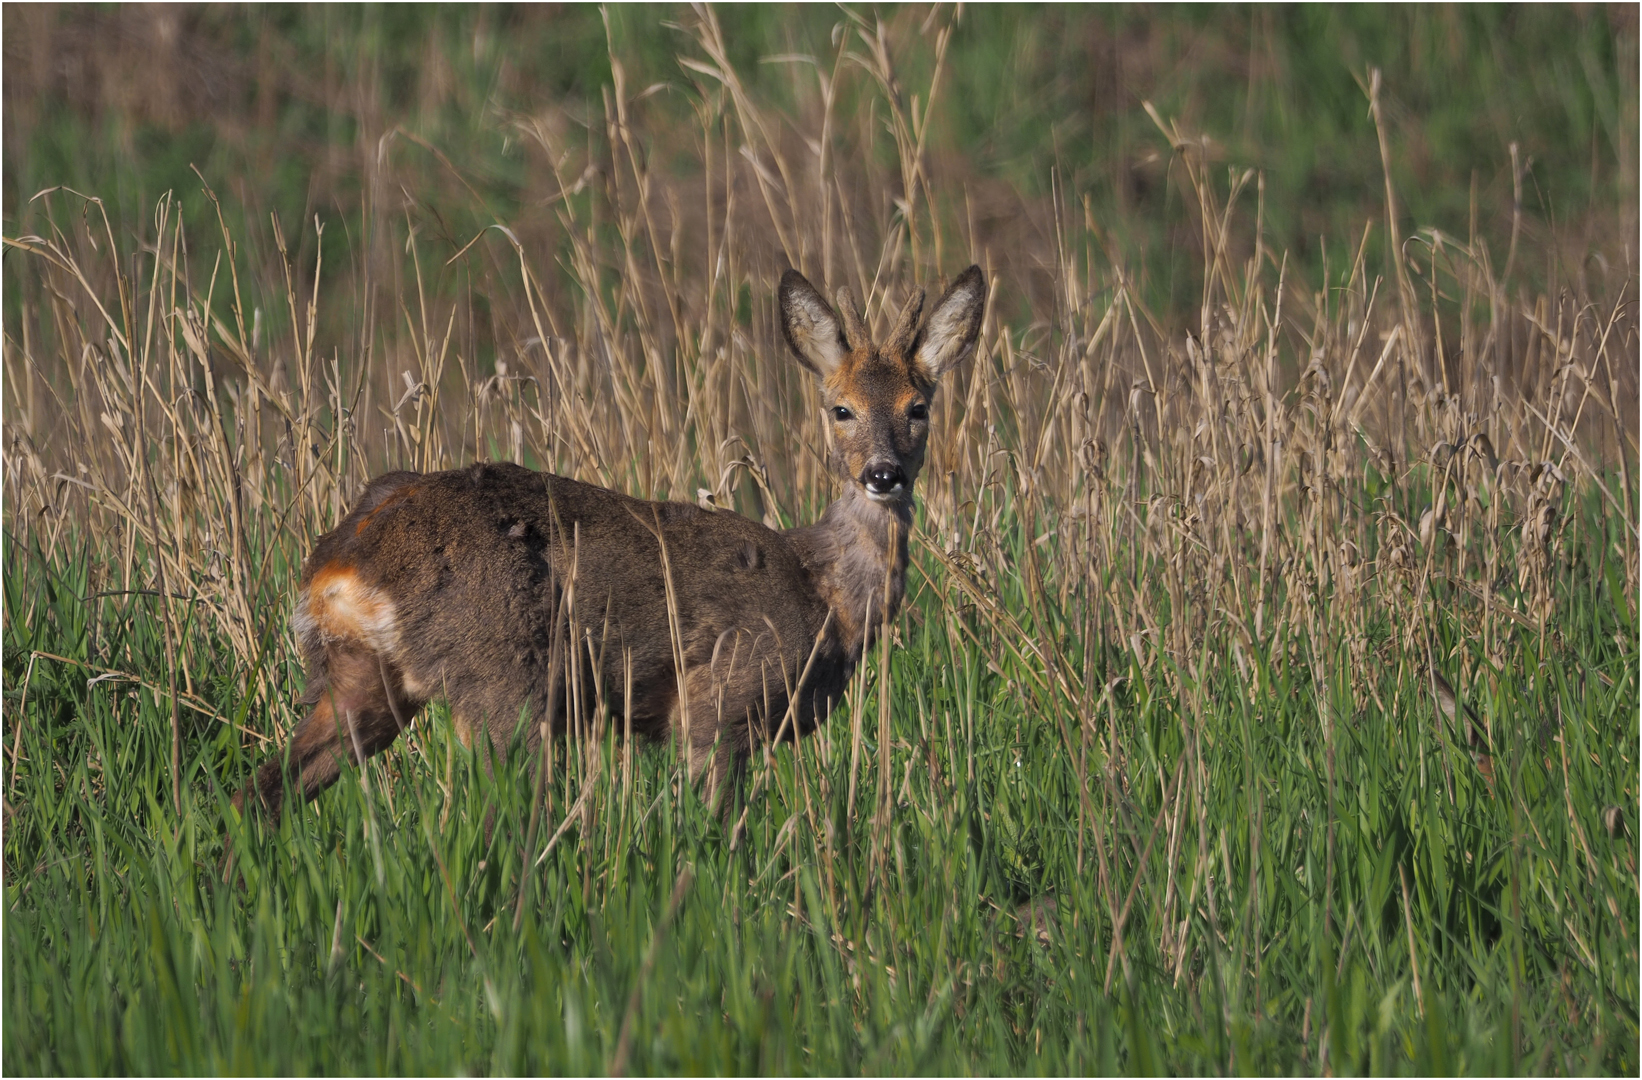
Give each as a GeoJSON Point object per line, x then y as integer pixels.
{"type": "Point", "coordinates": [297, 111]}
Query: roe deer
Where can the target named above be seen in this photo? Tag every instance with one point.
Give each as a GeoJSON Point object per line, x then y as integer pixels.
{"type": "Point", "coordinates": [469, 584]}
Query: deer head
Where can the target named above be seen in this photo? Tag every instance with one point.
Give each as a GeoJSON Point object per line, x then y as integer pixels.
{"type": "Point", "coordinates": [877, 398]}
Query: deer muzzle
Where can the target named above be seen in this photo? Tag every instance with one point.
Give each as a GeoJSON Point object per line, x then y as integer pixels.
{"type": "Point", "coordinates": [884, 480]}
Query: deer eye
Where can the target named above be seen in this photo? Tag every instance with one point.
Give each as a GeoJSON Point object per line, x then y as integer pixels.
{"type": "Point", "coordinates": [918, 411]}
{"type": "Point", "coordinates": [840, 414]}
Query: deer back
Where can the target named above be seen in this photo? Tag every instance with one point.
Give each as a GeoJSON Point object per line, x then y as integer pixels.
{"type": "Point", "coordinates": [468, 581]}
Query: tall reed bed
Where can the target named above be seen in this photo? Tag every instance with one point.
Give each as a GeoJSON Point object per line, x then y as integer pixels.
{"type": "Point", "coordinates": [1266, 698]}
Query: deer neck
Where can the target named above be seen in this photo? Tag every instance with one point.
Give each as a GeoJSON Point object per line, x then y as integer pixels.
{"type": "Point", "coordinates": [856, 551]}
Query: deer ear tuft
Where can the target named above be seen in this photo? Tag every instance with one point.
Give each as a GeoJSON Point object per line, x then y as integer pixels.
{"type": "Point", "coordinates": [953, 326]}
{"type": "Point", "coordinates": [810, 325]}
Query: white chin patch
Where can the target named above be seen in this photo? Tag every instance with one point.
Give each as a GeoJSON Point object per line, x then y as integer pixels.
{"type": "Point", "coordinates": [891, 495]}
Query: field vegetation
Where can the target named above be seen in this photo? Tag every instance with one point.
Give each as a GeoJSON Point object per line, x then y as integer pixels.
{"type": "Point", "coordinates": [1266, 697]}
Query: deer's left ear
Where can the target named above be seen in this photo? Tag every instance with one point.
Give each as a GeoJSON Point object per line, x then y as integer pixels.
{"type": "Point", "coordinates": [810, 325]}
{"type": "Point", "coordinates": [953, 326]}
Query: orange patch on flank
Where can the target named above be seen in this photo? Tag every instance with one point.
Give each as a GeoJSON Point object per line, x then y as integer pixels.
{"type": "Point", "coordinates": [342, 606]}
{"type": "Point", "coordinates": [397, 497]}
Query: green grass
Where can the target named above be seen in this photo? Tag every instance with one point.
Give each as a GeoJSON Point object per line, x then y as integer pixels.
{"type": "Point", "coordinates": [1274, 813]}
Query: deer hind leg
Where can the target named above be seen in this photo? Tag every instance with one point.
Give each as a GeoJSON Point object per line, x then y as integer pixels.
{"type": "Point", "coordinates": [725, 767]}
{"type": "Point", "coordinates": [714, 735]}
{"type": "Point", "coordinates": [359, 709]}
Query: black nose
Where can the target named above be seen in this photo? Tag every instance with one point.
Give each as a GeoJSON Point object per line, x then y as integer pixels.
{"type": "Point", "coordinates": [884, 478]}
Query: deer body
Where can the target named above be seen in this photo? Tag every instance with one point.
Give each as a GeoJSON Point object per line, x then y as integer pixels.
{"type": "Point", "coordinates": [484, 586]}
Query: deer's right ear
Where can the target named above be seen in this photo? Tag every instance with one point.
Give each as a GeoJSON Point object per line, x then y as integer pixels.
{"type": "Point", "coordinates": [810, 325]}
{"type": "Point", "coordinates": [952, 329]}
